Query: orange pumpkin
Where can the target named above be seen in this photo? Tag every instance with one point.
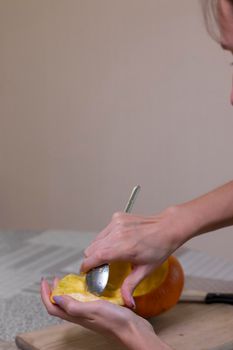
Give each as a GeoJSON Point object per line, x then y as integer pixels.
{"type": "Point", "coordinates": [155, 294]}
{"type": "Point", "coordinates": [166, 295]}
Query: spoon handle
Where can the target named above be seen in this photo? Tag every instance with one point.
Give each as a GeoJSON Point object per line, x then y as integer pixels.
{"type": "Point", "coordinates": [132, 198]}
{"type": "Point", "coordinates": [97, 277]}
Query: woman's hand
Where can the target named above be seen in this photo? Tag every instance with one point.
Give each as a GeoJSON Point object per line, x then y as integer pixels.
{"type": "Point", "coordinates": [104, 317]}
{"type": "Point", "coordinates": [146, 242]}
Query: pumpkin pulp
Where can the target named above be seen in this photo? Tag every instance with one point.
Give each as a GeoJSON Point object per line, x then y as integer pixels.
{"type": "Point", "coordinates": [75, 285]}
{"type": "Point", "coordinates": [157, 293]}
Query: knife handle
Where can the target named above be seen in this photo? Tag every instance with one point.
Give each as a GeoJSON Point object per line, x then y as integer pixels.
{"type": "Point", "coordinates": [225, 298]}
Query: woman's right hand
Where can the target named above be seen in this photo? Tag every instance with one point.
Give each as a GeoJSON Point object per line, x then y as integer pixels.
{"type": "Point", "coordinates": [146, 242]}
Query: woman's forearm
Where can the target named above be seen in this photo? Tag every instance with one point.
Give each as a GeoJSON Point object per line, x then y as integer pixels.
{"type": "Point", "coordinates": [209, 212]}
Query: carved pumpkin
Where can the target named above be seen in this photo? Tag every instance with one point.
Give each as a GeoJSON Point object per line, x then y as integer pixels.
{"type": "Point", "coordinates": [155, 294]}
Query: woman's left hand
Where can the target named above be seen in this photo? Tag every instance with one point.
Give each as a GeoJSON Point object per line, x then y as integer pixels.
{"type": "Point", "coordinates": [104, 317]}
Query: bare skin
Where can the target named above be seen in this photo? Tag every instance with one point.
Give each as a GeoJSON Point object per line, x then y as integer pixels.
{"type": "Point", "coordinates": [146, 242]}
{"type": "Point", "coordinates": [118, 322]}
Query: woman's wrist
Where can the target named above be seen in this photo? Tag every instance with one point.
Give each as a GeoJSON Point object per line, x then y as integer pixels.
{"type": "Point", "coordinates": [180, 226]}
{"type": "Point", "coordinates": [187, 223]}
{"type": "Point", "coordinates": [193, 220]}
{"type": "Point", "coordinates": [141, 336]}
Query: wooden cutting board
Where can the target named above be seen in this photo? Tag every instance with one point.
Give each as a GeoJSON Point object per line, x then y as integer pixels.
{"type": "Point", "coordinates": [186, 326]}
{"type": "Point", "coordinates": [7, 345]}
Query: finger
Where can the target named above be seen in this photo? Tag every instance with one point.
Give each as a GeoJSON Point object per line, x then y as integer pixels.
{"type": "Point", "coordinates": [105, 232]}
{"type": "Point", "coordinates": [75, 308]}
{"type": "Point", "coordinates": [103, 255]}
{"type": "Point", "coordinates": [132, 280]}
{"type": "Point", "coordinates": [52, 309]}
{"type": "Point", "coordinates": [91, 262]}
{"type": "Point", "coordinates": [102, 235]}
{"type": "Point", "coordinates": [55, 282]}
{"type": "Point", "coordinates": [119, 219]}
{"type": "Point", "coordinates": [88, 256]}
{"type": "Point", "coordinates": [117, 229]}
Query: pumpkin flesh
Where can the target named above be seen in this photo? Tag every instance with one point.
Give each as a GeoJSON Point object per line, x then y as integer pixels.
{"type": "Point", "coordinates": [155, 294]}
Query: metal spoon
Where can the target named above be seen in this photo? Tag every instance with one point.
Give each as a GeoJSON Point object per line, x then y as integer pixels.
{"type": "Point", "coordinates": [97, 278]}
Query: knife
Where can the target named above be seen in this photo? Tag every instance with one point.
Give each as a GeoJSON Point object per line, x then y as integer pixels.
{"type": "Point", "coordinates": [205, 297]}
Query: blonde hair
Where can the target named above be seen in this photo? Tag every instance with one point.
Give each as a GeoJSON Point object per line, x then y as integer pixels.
{"type": "Point", "coordinates": [212, 15]}
{"type": "Point", "coordinates": [210, 9]}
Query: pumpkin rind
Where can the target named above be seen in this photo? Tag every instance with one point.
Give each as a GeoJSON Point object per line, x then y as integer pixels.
{"type": "Point", "coordinates": [165, 296]}
{"type": "Point", "coordinates": [168, 281]}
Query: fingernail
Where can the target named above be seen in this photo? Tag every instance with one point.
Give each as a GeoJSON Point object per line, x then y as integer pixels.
{"type": "Point", "coordinates": [133, 303]}
{"type": "Point", "coordinates": [57, 299]}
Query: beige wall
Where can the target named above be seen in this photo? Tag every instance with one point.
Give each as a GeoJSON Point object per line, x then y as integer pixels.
{"type": "Point", "coordinates": [98, 95]}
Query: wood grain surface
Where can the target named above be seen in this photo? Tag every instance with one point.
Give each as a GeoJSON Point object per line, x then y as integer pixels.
{"type": "Point", "coordinates": [7, 345]}
{"type": "Point", "coordinates": [186, 326]}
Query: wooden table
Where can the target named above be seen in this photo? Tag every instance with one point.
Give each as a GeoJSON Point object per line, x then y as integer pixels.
{"type": "Point", "coordinates": [7, 345]}
{"type": "Point", "coordinates": [31, 250]}
{"type": "Point", "coordinates": [186, 327]}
